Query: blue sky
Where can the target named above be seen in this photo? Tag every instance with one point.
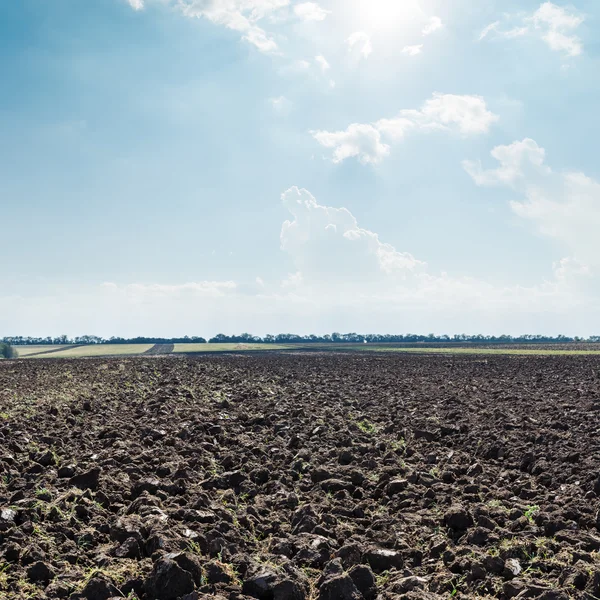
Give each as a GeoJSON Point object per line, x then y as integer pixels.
{"type": "Point", "coordinates": [151, 149]}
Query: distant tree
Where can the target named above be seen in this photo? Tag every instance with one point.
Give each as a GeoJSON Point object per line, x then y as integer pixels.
{"type": "Point", "coordinates": [7, 351]}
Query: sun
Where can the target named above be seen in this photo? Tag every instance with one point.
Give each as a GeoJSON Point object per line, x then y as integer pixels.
{"type": "Point", "coordinates": [378, 15]}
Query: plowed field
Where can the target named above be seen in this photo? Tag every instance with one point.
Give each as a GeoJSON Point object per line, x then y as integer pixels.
{"type": "Point", "coordinates": [302, 476]}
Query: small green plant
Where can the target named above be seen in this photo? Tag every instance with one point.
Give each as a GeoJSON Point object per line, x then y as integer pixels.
{"type": "Point", "coordinates": [194, 548]}
{"type": "Point", "coordinates": [398, 445]}
{"type": "Point", "coordinates": [84, 542]}
{"type": "Point", "coordinates": [382, 579]}
{"type": "Point", "coordinates": [3, 575]}
{"type": "Point", "coordinates": [435, 472]}
{"type": "Point", "coordinates": [366, 426]}
{"type": "Point", "coordinates": [455, 586]}
{"type": "Point", "coordinates": [531, 510]}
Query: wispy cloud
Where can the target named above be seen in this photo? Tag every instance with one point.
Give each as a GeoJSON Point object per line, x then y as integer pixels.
{"type": "Point", "coordinates": [562, 206]}
{"type": "Point", "coordinates": [555, 25]}
{"type": "Point", "coordinates": [239, 15]}
{"type": "Point", "coordinates": [434, 24]}
{"type": "Point", "coordinates": [361, 42]}
{"type": "Point", "coordinates": [413, 50]}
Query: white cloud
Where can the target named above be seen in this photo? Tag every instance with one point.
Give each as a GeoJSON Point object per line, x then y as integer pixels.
{"type": "Point", "coordinates": [468, 115]}
{"type": "Point", "coordinates": [434, 24]}
{"type": "Point", "coordinates": [553, 24]}
{"type": "Point", "coordinates": [358, 140]}
{"type": "Point", "coordinates": [562, 206]}
{"type": "Point", "coordinates": [557, 26]}
{"type": "Point", "coordinates": [556, 18]}
{"type": "Point", "coordinates": [569, 44]}
{"type": "Point", "coordinates": [492, 27]}
{"type": "Point", "coordinates": [327, 242]}
{"type": "Point", "coordinates": [310, 11]}
{"type": "Point", "coordinates": [341, 263]}
{"type": "Point", "coordinates": [242, 16]}
{"type": "Point", "coordinates": [412, 50]}
{"type": "Point", "coordinates": [259, 38]}
{"type": "Point", "coordinates": [322, 62]}
{"type": "Point", "coordinates": [514, 161]}
{"type": "Point", "coordinates": [360, 42]}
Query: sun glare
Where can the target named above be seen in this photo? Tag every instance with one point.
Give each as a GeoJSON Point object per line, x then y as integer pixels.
{"type": "Point", "coordinates": [388, 14]}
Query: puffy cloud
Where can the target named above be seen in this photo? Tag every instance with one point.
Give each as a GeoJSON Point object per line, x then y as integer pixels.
{"type": "Point", "coordinates": [326, 242]}
{"type": "Point", "coordinates": [361, 141]}
{"type": "Point", "coordinates": [515, 160]}
{"type": "Point", "coordinates": [360, 42]}
{"type": "Point", "coordinates": [136, 4]}
{"type": "Point", "coordinates": [434, 24]}
{"type": "Point", "coordinates": [563, 206]}
{"type": "Point", "coordinates": [467, 115]}
{"type": "Point", "coordinates": [412, 50]}
{"type": "Point", "coordinates": [310, 11]}
{"type": "Point", "coordinates": [553, 24]}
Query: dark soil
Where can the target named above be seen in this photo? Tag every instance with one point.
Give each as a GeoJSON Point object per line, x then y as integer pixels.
{"type": "Point", "coordinates": [294, 477]}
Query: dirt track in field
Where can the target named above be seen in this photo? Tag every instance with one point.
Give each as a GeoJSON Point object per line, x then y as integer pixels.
{"type": "Point", "coordinates": [300, 476]}
{"type": "Point", "coordinates": [54, 350]}
{"type": "Point", "coordinates": [161, 349]}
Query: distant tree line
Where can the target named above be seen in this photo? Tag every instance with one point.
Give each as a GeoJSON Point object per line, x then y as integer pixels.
{"type": "Point", "coordinates": [94, 339]}
{"type": "Point", "coordinates": [358, 338]}
{"type": "Point", "coordinates": [292, 338]}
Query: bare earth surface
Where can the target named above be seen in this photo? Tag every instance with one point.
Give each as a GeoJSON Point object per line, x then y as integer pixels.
{"type": "Point", "coordinates": [300, 476]}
